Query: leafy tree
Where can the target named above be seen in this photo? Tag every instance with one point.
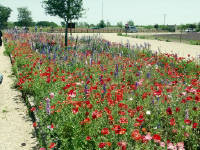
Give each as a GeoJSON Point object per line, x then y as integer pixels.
{"type": "Point", "coordinates": [101, 24]}
{"type": "Point", "coordinates": [108, 24]}
{"type": "Point", "coordinates": [10, 25]}
{"type": "Point", "coordinates": [24, 17]}
{"type": "Point", "coordinates": [198, 27]}
{"type": "Point", "coordinates": [130, 23]}
{"type": "Point", "coordinates": [182, 27]}
{"type": "Point", "coordinates": [156, 26]}
{"type": "Point", "coordinates": [119, 24]}
{"type": "Point", "coordinates": [4, 15]}
{"type": "Point", "coordinates": [46, 24]}
{"type": "Point", "coordinates": [62, 24]}
{"type": "Point", "coordinates": [193, 26]}
{"type": "Point", "coordinates": [68, 10]}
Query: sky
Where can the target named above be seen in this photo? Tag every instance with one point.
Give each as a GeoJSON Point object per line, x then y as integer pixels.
{"type": "Point", "coordinates": [142, 12]}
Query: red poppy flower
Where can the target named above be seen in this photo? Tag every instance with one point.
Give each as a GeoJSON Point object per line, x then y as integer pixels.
{"type": "Point", "coordinates": [75, 110]}
{"type": "Point", "coordinates": [169, 111]}
{"type": "Point", "coordinates": [34, 124]}
{"type": "Point", "coordinates": [172, 122]}
{"type": "Point", "coordinates": [156, 137]}
{"type": "Point", "coordinates": [177, 109]}
{"type": "Point", "coordinates": [123, 120]}
{"type": "Point", "coordinates": [121, 112]}
{"type": "Point", "coordinates": [102, 145]}
{"type": "Point", "coordinates": [136, 135]}
{"type": "Point", "coordinates": [52, 145]}
{"type": "Point", "coordinates": [194, 125]}
{"type": "Point", "coordinates": [105, 131]}
{"type": "Point", "coordinates": [33, 109]}
{"type": "Point", "coordinates": [88, 138]}
{"type": "Point", "coordinates": [122, 145]}
{"type": "Point", "coordinates": [187, 121]}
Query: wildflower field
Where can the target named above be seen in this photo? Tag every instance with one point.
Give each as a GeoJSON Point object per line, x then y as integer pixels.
{"type": "Point", "coordinates": [101, 95]}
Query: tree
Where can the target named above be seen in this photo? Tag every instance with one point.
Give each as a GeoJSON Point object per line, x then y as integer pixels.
{"type": "Point", "coordinates": [46, 24]}
{"type": "Point", "coordinates": [119, 24]}
{"type": "Point", "coordinates": [62, 24]}
{"type": "Point", "coordinates": [108, 24]}
{"type": "Point", "coordinates": [130, 23]}
{"type": "Point", "coordinates": [4, 15]}
{"type": "Point", "coordinates": [24, 17]}
{"type": "Point", "coordinates": [101, 24]}
{"type": "Point", "coordinates": [156, 26]}
{"type": "Point", "coordinates": [68, 10]}
{"type": "Point", "coordinates": [193, 26]}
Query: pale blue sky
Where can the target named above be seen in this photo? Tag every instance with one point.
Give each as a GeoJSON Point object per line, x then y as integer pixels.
{"type": "Point", "coordinates": [142, 12]}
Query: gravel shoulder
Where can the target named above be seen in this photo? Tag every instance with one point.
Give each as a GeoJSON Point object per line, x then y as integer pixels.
{"type": "Point", "coordinates": [16, 130]}
{"type": "Point", "coordinates": [181, 49]}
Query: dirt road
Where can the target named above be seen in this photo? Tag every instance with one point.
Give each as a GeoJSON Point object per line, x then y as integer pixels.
{"type": "Point", "coordinates": [16, 130]}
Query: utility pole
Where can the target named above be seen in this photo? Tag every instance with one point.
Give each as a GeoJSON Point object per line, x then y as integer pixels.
{"type": "Point", "coordinates": [164, 18]}
{"type": "Point", "coordinates": [102, 10]}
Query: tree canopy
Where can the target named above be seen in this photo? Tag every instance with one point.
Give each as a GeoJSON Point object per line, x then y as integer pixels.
{"type": "Point", "coordinates": [46, 24]}
{"type": "Point", "coordinates": [68, 10]}
{"type": "Point", "coordinates": [24, 17]}
{"type": "Point", "coordinates": [130, 23]}
{"type": "Point", "coordinates": [4, 15]}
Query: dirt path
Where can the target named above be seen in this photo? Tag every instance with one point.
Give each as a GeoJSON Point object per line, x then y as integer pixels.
{"type": "Point", "coordinates": [16, 130]}
{"type": "Point", "coordinates": [181, 49]}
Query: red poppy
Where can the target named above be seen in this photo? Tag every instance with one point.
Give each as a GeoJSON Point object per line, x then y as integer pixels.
{"type": "Point", "coordinates": [102, 145]}
{"type": "Point", "coordinates": [177, 109]}
{"type": "Point", "coordinates": [136, 135]}
{"type": "Point", "coordinates": [52, 145]}
{"type": "Point", "coordinates": [156, 137]}
{"type": "Point", "coordinates": [187, 121]}
{"type": "Point", "coordinates": [123, 120]}
{"type": "Point", "coordinates": [122, 145]}
{"type": "Point", "coordinates": [169, 111]}
{"type": "Point", "coordinates": [33, 109]}
{"type": "Point", "coordinates": [75, 110]}
{"type": "Point", "coordinates": [88, 138]}
{"type": "Point", "coordinates": [34, 124]}
{"type": "Point", "coordinates": [172, 122]}
{"type": "Point", "coordinates": [194, 125]}
{"type": "Point", "coordinates": [105, 131]}
{"type": "Point", "coordinates": [121, 112]}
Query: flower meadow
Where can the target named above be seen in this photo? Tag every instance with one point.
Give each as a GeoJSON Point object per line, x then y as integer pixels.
{"type": "Point", "coordinates": [101, 95]}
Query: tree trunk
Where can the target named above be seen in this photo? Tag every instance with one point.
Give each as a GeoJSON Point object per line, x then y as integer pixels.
{"type": "Point", "coordinates": [66, 34]}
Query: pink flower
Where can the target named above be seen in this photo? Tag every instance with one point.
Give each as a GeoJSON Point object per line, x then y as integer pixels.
{"type": "Point", "coordinates": [180, 146]}
{"type": "Point", "coordinates": [170, 146]}
{"type": "Point", "coordinates": [148, 137]}
{"type": "Point", "coordinates": [51, 95]}
{"type": "Point", "coordinates": [162, 144]}
{"type": "Point", "coordinates": [42, 148]}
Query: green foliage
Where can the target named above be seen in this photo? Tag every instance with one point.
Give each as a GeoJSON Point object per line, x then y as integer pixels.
{"type": "Point", "coordinates": [130, 23]}
{"type": "Point", "coordinates": [63, 24]}
{"type": "Point", "coordinates": [195, 42]}
{"type": "Point", "coordinates": [46, 24]}
{"type": "Point", "coordinates": [108, 24]}
{"type": "Point", "coordinates": [192, 26]}
{"type": "Point", "coordinates": [169, 28]}
{"type": "Point", "coordinates": [101, 24]}
{"type": "Point", "coordinates": [119, 34]}
{"type": "Point", "coordinates": [24, 17]}
{"type": "Point", "coordinates": [68, 10]}
{"type": "Point", "coordinates": [156, 26]}
{"type": "Point", "coordinates": [119, 24]}
{"type": "Point", "coordinates": [4, 15]}
{"type": "Point", "coordinates": [10, 25]}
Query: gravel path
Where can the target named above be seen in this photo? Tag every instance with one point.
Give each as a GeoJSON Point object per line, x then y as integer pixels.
{"type": "Point", "coordinates": [16, 130]}
{"type": "Point", "coordinates": [181, 49]}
